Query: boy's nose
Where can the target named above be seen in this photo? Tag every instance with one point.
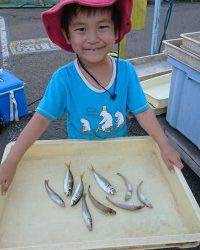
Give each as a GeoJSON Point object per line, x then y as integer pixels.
{"type": "Point", "coordinates": [92, 37]}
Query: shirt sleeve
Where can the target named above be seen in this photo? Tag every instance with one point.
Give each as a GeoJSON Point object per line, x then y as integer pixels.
{"type": "Point", "coordinates": [53, 104]}
{"type": "Point", "coordinates": [136, 99]}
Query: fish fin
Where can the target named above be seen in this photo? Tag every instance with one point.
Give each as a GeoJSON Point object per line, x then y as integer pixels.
{"type": "Point", "coordinates": [107, 198]}
{"type": "Point", "coordinates": [46, 181]}
{"type": "Point", "coordinates": [92, 168]}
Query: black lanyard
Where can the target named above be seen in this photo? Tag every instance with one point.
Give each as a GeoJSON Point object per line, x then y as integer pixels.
{"type": "Point", "coordinates": [112, 96]}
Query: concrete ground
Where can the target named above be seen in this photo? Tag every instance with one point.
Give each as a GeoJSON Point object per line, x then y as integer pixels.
{"type": "Point", "coordinates": [36, 68]}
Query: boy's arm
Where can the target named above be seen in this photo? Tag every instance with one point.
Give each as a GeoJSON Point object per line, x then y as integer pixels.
{"type": "Point", "coordinates": [151, 125]}
{"type": "Point", "coordinates": [36, 126]}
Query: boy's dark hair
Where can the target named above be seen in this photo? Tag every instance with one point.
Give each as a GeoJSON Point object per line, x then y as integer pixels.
{"type": "Point", "coordinates": [73, 10]}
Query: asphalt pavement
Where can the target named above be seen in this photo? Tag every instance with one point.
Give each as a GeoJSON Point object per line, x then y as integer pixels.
{"type": "Point", "coordinates": [36, 68]}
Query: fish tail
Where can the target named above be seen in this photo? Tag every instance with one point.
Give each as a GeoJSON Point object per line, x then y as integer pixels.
{"type": "Point", "coordinates": [68, 165]}
{"type": "Point", "coordinates": [82, 175]}
{"type": "Point", "coordinates": [140, 183]}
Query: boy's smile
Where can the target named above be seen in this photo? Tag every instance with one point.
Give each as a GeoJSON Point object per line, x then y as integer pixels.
{"type": "Point", "coordinates": [92, 36]}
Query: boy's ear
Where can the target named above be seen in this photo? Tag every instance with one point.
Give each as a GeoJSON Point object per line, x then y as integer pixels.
{"type": "Point", "coordinates": [66, 37]}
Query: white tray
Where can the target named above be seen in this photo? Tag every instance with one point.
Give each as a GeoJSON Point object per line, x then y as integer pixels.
{"type": "Point", "coordinates": [30, 220]}
{"type": "Point", "coordinates": [151, 66]}
{"type": "Point", "coordinates": [191, 41]}
{"type": "Point", "coordinates": [173, 49]}
{"type": "Point", "coordinates": [157, 90]}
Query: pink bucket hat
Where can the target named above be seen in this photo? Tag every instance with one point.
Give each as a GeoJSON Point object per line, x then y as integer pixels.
{"type": "Point", "coordinates": [52, 18]}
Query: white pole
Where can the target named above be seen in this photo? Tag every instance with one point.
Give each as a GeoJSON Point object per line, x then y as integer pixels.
{"type": "Point", "coordinates": [155, 30]}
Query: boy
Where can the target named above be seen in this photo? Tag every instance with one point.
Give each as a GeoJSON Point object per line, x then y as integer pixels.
{"type": "Point", "coordinates": [95, 90]}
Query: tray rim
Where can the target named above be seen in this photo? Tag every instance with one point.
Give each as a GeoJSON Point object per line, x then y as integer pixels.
{"type": "Point", "coordinates": [125, 243]}
{"type": "Point", "coordinates": [158, 103]}
{"type": "Point", "coordinates": [179, 240]}
{"type": "Point", "coordinates": [142, 60]}
{"type": "Point", "coordinates": [173, 49]}
{"type": "Point", "coordinates": [177, 47]}
{"type": "Point", "coordinates": [187, 37]}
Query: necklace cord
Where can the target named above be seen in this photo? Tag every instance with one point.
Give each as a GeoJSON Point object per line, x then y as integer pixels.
{"type": "Point", "coordinates": [112, 96]}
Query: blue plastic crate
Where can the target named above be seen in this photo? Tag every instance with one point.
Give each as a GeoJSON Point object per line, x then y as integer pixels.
{"type": "Point", "coordinates": [12, 99]}
{"type": "Point", "coordinates": [183, 112]}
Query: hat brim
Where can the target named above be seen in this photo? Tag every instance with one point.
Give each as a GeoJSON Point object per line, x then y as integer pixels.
{"type": "Point", "coordinates": [52, 19]}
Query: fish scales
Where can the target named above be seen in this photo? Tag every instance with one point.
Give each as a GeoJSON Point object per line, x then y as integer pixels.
{"type": "Point", "coordinates": [125, 205]}
{"type": "Point", "coordinates": [53, 195]}
{"type": "Point", "coordinates": [142, 197]}
{"type": "Point", "coordinates": [68, 181]}
{"type": "Point", "coordinates": [101, 207]}
{"type": "Point", "coordinates": [103, 182]}
{"type": "Point", "coordinates": [86, 214]}
{"type": "Point", "coordinates": [129, 187]}
{"type": "Point", "coordinates": [78, 192]}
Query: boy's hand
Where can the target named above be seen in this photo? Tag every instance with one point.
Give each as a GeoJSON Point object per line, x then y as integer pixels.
{"type": "Point", "coordinates": [36, 126]}
{"type": "Point", "coordinates": [171, 157]}
{"type": "Point", "coordinates": [7, 173]}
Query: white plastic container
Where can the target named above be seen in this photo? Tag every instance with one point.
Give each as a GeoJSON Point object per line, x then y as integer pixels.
{"type": "Point", "coordinates": [191, 42]}
{"type": "Point", "coordinates": [157, 90]}
{"type": "Point", "coordinates": [173, 49]}
{"type": "Point", "coordinates": [30, 220]}
{"type": "Point", "coordinates": [183, 112]}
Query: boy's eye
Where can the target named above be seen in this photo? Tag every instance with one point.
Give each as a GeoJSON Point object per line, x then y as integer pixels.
{"type": "Point", "coordinates": [103, 26]}
{"type": "Point", "coordinates": [80, 29]}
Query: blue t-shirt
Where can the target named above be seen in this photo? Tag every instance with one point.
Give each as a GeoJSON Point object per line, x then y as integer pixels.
{"type": "Point", "coordinates": [91, 113]}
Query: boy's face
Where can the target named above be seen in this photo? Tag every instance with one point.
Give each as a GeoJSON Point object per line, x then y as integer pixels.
{"type": "Point", "coordinates": [92, 36]}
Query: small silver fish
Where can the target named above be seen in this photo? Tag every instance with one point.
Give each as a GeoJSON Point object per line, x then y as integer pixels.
{"type": "Point", "coordinates": [86, 213]}
{"type": "Point", "coordinates": [78, 192]}
{"type": "Point", "coordinates": [129, 187]}
{"type": "Point", "coordinates": [142, 198]}
{"type": "Point", "coordinates": [125, 205]}
{"type": "Point", "coordinates": [68, 181]}
{"type": "Point", "coordinates": [53, 195]}
{"type": "Point", "coordinates": [103, 183]}
{"type": "Point", "coordinates": [100, 206]}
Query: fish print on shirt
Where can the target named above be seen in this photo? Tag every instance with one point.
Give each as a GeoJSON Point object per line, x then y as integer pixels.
{"type": "Point", "coordinates": [120, 119]}
{"type": "Point", "coordinates": [85, 125]}
{"type": "Point", "coordinates": [106, 124]}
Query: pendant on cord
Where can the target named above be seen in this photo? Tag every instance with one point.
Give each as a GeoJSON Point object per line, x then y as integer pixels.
{"type": "Point", "coordinates": [113, 97]}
